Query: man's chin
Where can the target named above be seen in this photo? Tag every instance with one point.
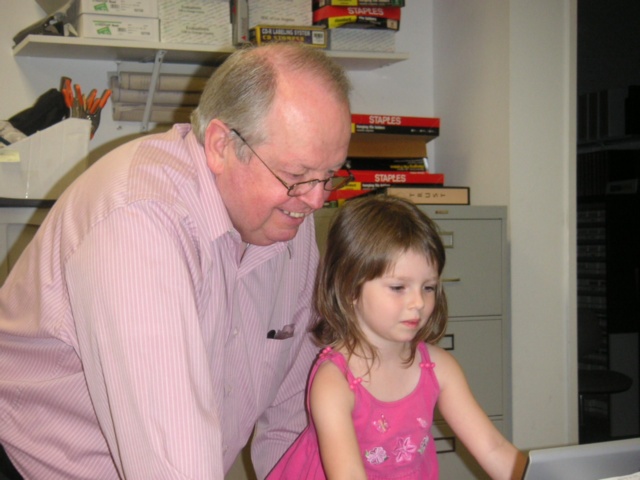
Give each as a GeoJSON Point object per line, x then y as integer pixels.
{"type": "Point", "coordinates": [282, 235]}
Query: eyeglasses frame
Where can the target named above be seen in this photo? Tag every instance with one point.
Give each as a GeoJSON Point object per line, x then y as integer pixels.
{"type": "Point", "coordinates": [290, 188]}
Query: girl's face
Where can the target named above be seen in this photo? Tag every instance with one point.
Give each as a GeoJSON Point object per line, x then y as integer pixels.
{"type": "Point", "coordinates": [393, 307]}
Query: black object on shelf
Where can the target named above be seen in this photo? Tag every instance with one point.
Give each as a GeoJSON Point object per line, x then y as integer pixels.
{"type": "Point", "coordinates": [26, 202]}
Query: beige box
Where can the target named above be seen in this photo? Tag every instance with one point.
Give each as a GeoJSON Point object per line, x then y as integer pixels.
{"type": "Point", "coordinates": [280, 12]}
{"type": "Point", "coordinates": [129, 8]}
{"type": "Point", "coordinates": [362, 40]}
{"type": "Point", "coordinates": [44, 164]}
{"type": "Point", "coordinates": [90, 25]}
{"type": "Point", "coordinates": [205, 22]}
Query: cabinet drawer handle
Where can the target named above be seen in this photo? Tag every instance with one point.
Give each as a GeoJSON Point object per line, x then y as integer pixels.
{"type": "Point", "coordinates": [445, 444]}
{"type": "Point", "coordinates": [447, 342]}
{"type": "Point", "coordinates": [451, 280]}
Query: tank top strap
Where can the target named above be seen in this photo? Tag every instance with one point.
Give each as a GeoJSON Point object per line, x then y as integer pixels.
{"type": "Point", "coordinates": [425, 361]}
{"type": "Point", "coordinates": [428, 367]}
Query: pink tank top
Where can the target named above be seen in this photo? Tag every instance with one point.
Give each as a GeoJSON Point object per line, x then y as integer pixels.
{"type": "Point", "coordinates": [395, 438]}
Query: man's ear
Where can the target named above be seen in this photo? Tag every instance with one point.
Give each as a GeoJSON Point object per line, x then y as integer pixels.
{"type": "Point", "coordinates": [216, 145]}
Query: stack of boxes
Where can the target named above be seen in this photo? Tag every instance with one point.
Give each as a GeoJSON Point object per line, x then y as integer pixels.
{"type": "Point", "coordinates": [351, 25]}
{"type": "Point", "coordinates": [359, 25]}
{"type": "Point", "coordinates": [203, 22]}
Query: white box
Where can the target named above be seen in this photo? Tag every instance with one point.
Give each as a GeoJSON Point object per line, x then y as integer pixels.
{"type": "Point", "coordinates": [118, 27]}
{"type": "Point", "coordinates": [128, 8]}
{"type": "Point", "coordinates": [280, 12]}
{"type": "Point", "coordinates": [204, 22]}
{"type": "Point", "coordinates": [44, 164]}
{"type": "Point", "coordinates": [362, 40]}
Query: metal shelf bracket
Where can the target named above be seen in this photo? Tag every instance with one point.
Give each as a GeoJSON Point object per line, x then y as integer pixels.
{"type": "Point", "coordinates": [152, 89]}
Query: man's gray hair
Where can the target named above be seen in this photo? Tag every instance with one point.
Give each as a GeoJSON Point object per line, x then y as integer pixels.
{"type": "Point", "coordinates": [241, 90]}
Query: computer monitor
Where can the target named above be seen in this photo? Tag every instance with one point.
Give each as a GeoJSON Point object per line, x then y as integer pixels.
{"type": "Point", "coordinates": [592, 461]}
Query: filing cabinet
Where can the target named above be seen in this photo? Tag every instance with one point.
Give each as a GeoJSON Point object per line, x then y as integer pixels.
{"type": "Point", "coordinates": [18, 224]}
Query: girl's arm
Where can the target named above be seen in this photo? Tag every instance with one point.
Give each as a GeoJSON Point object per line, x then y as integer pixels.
{"type": "Point", "coordinates": [495, 454]}
{"type": "Point", "coordinates": [331, 405]}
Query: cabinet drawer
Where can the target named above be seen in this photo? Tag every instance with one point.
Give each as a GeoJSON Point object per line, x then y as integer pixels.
{"type": "Point", "coordinates": [18, 226]}
{"type": "Point", "coordinates": [473, 273]}
{"type": "Point", "coordinates": [454, 459]}
{"type": "Point", "coordinates": [477, 346]}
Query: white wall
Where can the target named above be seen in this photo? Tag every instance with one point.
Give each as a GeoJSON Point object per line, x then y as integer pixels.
{"type": "Point", "coordinates": [501, 75]}
{"type": "Point", "coordinates": [543, 219]}
{"type": "Point", "coordinates": [504, 80]}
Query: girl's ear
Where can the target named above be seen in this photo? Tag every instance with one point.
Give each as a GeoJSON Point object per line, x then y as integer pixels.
{"type": "Point", "coordinates": [354, 303]}
{"type": "Point", "coordinates": [217, 145]}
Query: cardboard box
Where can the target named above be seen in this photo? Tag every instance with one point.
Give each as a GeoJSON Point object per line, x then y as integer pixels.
{"type": "Point", "coordinates": [362, 40]}
{"type": "Point", "coordinates": [128, 8]}
{"type": "Point", "coordinates": [280, 12]}
{"type": "Point", "coordinates": [314, 36]}
{"type": "Point", "coordinates": [388, 146]}
{"type": "Point", "coordinates": [44, 164]}
{"type": "Point", "coordinates": [204, 22]}
{"type": "Point", "coordinates": [358, 17]}
{"type": "Point", "coordinates": [216, 36]}
{"type": "Point", "coordinates": [91, 25]}
{"type": "Point", "coordinates": [358, 3]}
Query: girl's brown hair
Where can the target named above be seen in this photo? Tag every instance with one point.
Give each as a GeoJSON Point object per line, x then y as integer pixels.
{"type": "Point", "coordinates": [366, 236]}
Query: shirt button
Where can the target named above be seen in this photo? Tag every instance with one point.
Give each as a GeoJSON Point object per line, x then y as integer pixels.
{"type": "Point", "coordinates": [235, 332]}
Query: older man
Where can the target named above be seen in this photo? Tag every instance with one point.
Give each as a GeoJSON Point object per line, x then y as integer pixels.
{"type": "Point", "coordinates": [160, 313]}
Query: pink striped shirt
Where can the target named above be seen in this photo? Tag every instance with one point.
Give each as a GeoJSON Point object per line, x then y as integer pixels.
{"type": "Point", "coordinates": [133, 341]}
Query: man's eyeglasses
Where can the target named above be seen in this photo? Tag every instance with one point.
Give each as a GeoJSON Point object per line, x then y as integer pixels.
{"type": "Point", "coordinates": [301, 188]}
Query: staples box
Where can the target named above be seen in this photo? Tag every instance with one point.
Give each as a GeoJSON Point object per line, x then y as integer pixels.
{"type": "Point", "coordinates": [205, 22]}
{"type": "Point", "coordinates": [129, 8]}
{"type": "Point", "coordinates": [280, 12]}
{"type": "Point", "coordinates": [358, 17]}
{"type": "Point", "coordinates": [91, 25]}
{"type": "Point", "coordinates": [358, 3]}
{"type": "Point", "coordinates": [44, 164]}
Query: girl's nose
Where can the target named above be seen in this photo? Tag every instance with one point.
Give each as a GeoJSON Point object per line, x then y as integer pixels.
{"type": "Point", "coordinates": [417, 300]}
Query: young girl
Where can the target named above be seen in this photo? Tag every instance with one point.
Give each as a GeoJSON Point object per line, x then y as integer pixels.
{"type": "Point", "coordinates": [374, 388]}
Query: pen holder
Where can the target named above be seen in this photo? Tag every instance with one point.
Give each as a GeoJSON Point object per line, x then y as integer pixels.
{"type": "Point", "coordinates": [95, 121]}
{"type": "Point", "coordinates": [43, 165]}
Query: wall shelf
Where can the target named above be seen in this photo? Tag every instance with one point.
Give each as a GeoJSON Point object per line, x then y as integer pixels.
{"type": "Point", "coordinates": [158, 53]}
{"type": "Point", "coordinates": [122, 50]}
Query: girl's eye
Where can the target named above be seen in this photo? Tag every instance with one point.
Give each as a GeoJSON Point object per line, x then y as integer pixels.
{"type": "Point", "coordinates": [429, 288]}
{"type": "Point", "coordinates": [396, 288]}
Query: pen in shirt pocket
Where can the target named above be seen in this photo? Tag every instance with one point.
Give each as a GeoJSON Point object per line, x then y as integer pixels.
{"type": "Point", "coordinates": [286, 332]}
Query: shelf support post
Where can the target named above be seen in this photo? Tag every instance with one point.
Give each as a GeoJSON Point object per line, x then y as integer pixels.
{"type": "Point", "coordinates": [152, 89]}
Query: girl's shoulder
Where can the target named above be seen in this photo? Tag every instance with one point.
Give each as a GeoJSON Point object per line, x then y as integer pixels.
{"type": "Point", "coordinates": [438, 354]}
{"type": "Point", "coordinates": [333, 366]}
{"type": "Point", "coordinates": [333, 360]}
{"type": "Point", "coordinates": [331, 382]}
{"type": "Point", "coordinates": [445, 366]}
